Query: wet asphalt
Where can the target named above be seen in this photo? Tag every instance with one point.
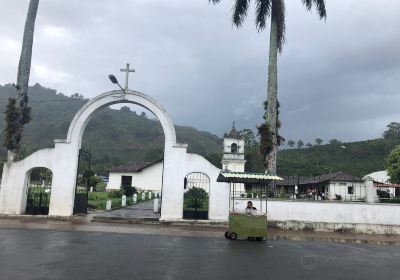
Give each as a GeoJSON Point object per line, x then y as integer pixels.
{"type": "Point", "coordinates": [44, 254]}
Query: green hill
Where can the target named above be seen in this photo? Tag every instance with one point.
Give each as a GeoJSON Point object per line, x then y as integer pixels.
{"type": "Point", "coordinates": [118, 136]}
{"type": "Point", "coordinates": [113, 136]}
{"type": "Point", "coordinates": [357, 158]}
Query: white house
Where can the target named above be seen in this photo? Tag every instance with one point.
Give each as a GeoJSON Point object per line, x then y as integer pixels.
{"type": "Point", "coordinates": [141, 175]}
{"type": "Point", "coordinates": [382, 182]}
{"type": "Point", "coordinates": [334, 186]}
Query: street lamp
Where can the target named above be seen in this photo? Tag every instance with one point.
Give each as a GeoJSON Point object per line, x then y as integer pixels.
{"type": "Point", "coordinates": [115, 81]}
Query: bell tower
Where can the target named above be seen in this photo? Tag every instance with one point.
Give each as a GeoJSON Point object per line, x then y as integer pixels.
{"type": "Point", "coordinates": [233, 155]}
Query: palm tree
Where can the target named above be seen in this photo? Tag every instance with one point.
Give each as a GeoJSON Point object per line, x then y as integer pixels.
{"type": "Point", "coordinates": [275, 10]}
{"type": "Point", "coordinates": [18, 112]}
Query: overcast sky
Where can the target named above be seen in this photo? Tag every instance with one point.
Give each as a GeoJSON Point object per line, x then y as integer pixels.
{"type": "Point", "coordinates": [337, 79]}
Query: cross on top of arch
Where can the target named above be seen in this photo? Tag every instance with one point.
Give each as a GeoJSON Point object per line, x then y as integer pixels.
{"type": "Point", "coordinates": [127, 70]}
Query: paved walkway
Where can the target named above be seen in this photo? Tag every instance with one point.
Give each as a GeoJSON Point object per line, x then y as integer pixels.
{"type": "Point", "coordinates": [140, 211]}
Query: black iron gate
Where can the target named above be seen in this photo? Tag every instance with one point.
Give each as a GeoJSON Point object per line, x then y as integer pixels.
{"type": "Point", "coordinates": [82, 182]}
{"type": "Point", "coordinates": [39, 191]}
{"type": "Point", "coordinates": [195, 199]}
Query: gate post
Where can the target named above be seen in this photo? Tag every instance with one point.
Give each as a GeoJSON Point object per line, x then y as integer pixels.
{"type": "Point", "coordinates": [172, 187]}
{"type": "Point", "coordinates": [64, 180]}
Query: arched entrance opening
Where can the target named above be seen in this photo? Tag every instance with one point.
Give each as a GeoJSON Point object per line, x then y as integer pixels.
{"type": "Point", "coordinates": [196, 196]}
{"type": "Point", "coordinates": [172, 150]}
{"type": "Point", "coordinates": [126, 144]}
{"type": "Point", "coordinates": [38, 191]}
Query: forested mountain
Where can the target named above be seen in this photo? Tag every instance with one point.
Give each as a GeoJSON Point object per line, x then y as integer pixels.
{"type": "Point", "coordinates": [112, 136]}
{"type": "Point", "coordinates": [357, 158]}
{"type": "Point", "coordinates": [119, 136]}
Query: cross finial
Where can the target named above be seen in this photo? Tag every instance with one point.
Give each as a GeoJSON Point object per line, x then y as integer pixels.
{"type": "Point", "coordinates": [127, 70]}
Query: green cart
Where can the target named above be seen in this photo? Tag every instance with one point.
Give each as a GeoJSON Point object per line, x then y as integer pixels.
{"type": "Point", "coordinates": [254, 227]}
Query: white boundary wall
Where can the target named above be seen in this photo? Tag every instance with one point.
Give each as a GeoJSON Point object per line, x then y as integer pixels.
{"type": "Point", "coordinates": [358, 217]}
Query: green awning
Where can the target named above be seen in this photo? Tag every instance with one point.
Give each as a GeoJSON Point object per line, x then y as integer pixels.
{"type": "Point", "coordinates": [243, 177]}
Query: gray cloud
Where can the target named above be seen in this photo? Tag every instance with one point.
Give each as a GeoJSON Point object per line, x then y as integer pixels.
{"type": "Point", "coordinates": [337, 79]}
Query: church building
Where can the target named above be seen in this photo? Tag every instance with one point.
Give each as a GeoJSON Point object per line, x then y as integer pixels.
{"type": "Point", "coordinates": [148, 175]}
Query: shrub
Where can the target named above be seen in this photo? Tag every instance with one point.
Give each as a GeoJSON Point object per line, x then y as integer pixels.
{"type": "Point", "coordinates": [115, 194]}
{"type": "Point", "coordinates": [338, 197]}
{"type": "Point", "coordinates": [128, 190]}
{"type": "Point", "coordinates": [382, 194]}
{"type": "Point", "coordinates": [195, 197]}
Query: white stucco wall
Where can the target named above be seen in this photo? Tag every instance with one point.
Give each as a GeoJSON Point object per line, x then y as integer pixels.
{"type": "Point", "coordinates": [219, 192]}
{"type": "Point", "coordinates": [328, 212]}
{"type": "Point", "coordinates": [150, 178]}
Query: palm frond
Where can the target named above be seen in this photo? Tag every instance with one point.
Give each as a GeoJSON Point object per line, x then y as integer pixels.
{"type": "Point", "coordinates": [214, 1]}
{"type": "Point", "coordinates": [308, 4]}
{"type": "Point", "coordinates": [240, 12]}
{"type": "Point", "coordinates": [321, 8]}
{"type": "Point", "coordinates": [319, 4]}
{"type": "Point", "coordinates": [278, 14]}
{"type": "Point", "coordinates": [263, 11]}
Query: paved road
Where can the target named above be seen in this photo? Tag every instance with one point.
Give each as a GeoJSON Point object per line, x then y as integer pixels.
{"type": "Point", "coordinates": [43, 254]}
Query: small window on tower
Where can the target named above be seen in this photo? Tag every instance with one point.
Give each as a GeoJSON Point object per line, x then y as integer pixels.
{"type": "Point", "coordinates": [234, 148]}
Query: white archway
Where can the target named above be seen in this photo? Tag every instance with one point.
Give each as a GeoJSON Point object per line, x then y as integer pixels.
{"type": "Point", "coordinates": [82, 117]}
{"type": "Point", "coordinates": [62, 160]}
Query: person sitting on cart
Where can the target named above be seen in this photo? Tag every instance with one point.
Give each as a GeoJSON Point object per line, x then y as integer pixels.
{"type": "Point", "coordinates": [250, 209]}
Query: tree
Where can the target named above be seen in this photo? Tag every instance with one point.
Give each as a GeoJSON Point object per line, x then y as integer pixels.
{"type": "Point", "coordinates": [318, 141]}
{"type": "Point", "coordinates": [393, 130]}
{"type": "Point", "coordinates": [77, 96]}
{"type": "Point", "coordinates": [291, 143]}
{"type": "Point", "coordinates": [248, 136]}
{"type": "Point", "coordinates": [393, 165]}
{"type": "Point", "coordinates": [334, 142]}
{"type": "Point", "coordinates": [125, 109]}
{"type": "Point", "coordinates": [275, 10]}
{"type": "Point", "coordinates": [300, 144]}
{"type": "Point", "coordinates": [20, 112]}
{"type": "Point", "coordinates": [143, 115]}
{"type": "Point", "coordinates": [309, 145]}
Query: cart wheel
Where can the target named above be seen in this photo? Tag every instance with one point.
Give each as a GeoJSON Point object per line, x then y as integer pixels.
{"type": "Point", "coordinates": [227, 234]}
{"type": "Point", "coordinates": [233, 236]}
